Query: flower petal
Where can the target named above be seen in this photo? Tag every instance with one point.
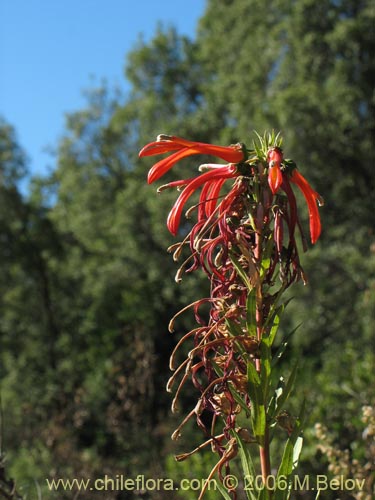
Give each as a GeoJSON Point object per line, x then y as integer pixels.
{"type": "Point", "coordinates": [233, 154]}
{"type": "Point", "coordinates": [275, 178]}
{"type": "Point", "coordinates": [174, 216]}
{"type": "Point", "coordinates": [163, 166]}
{"type": "Point", "coordinates": [213, 195]}
{"type": "Point", "coordinates": [166, 144]}
{"type": "Point", "coordinates": [158, 148]}
{"type": "Point", "coordinates": [311, 197]}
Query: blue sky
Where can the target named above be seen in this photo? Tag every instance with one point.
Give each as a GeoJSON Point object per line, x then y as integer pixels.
{"type": "Point", "coordinates": [51, 50]}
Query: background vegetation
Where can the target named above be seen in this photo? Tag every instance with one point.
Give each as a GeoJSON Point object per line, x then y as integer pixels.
{"type": "Point", "coordinates": [86, 286]}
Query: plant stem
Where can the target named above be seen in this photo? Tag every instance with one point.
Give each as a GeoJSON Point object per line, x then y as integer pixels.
{"type": "Point", "coordinates": [264, 453]}
{"type": "Point", "coordinates": [264, 450]}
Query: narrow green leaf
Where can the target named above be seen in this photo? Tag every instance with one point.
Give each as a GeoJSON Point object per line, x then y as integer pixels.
{"type": "Point", "coordinates": [222, 490]}
{"type": "Point", "coordinates": [219, 372]}
{"type": "Point", "coordinates": [286, 389]}
{"type": "Point", "coordinates": [264, 494]}
{"type": "Point", "coordinates": [280, 351]}
{"type": "Point", "coordinates": [258, 413]}
{"type": "Point", "coordinates": [275, 315]}
{"type": "Point", "coordinates": [247, 466]}
{"type": "Point", "coordinates": [275, 323]}
{"type": "Point", "coordinates": [284, 473]}
{"type": "Point", "coordinates": [240, 271]}
{"type": "Point", "coordinates": [290, 457]}
{"type": "Point", "coordinates": [260, 424]}
{"type": "Point", "coordinates": [272, 404]}
{"type": "Point", "coordinates": [286, 465]}
{"type": "Point", "coordinates": [238, 399]}
{"type": "Point", "coordinates": [259, 137]}
{"type": "Point", "coordinates": [251, 313]}
{"type": "Point", "coordinates": [276, 305]}
{"type": "Point", "coordinates": [265, 367]}
{"type": "Point", "coordinates": [253, 379]}
{"type": "Point", "coordinates": [233, 328]}
{"type": "Point", "coordinates": [264, 267]}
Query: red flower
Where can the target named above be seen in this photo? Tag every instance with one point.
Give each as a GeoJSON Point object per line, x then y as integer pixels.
{"type": "Point", "coordinates": [212, 181]}
{"type": "Point", "coordinates": [277, 179]}
{"type": "Point", "coordinates": [312, 197]}
{"type": "Point", "coordinates": [185, 148]}
{"type": "Point", "coordinates": [275, 176]}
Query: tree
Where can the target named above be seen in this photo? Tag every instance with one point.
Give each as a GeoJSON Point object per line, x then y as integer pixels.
{"type": "Point", "coordinates": [305, 67]}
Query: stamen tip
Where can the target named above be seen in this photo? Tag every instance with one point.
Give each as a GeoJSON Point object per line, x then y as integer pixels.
{"type": "Point", "coordinates": [163, 137]}
{"type": "Point", "coordinates": [178, 277]}
{"type": "Point", "coordinates": [176, 435]}
{"type": "Point", "coordinates": [169, 385]}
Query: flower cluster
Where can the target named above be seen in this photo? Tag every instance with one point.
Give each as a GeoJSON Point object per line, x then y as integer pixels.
{"type": "Point", "coordinates": [279, 175]}
{"type": "Point", "coordinates": [244, 239]}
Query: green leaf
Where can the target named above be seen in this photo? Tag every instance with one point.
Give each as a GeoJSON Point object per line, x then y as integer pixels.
{"type": "Point", "coordinates": [258, 413]}
{"type": "Point", "coordinates": [290, 457]}
{"type": "Point", "coordinates": [275, 306]}
{"type": "Point", "coordinates": [233, 328]}
{"type": "Point", "coordinates": [282, 392]}
{"type": "Point", "coordinates": [223, 491]}
{"type": "Point", "coordinates": [266, 258]}
{"type": "Point", "coordinates": [280, 351]}
{"type": "Point", "coordinates": [240, 271]}
{"type": "Point", "coordinates": [264, 267]}
{"type": "Point", "coordinates": [265, 367]}
{"type": "Point", "coordinates": [251, 313]}
{"type": "Point", "coordinates": [272, 404]}
{"type": "Point", "coordinates": [254, 380]}
{"type": "Point", "coordinates": [219, 372]}
{"type": "Point", "coordinates": [264, 494]}
{"type": "Point", "coordinates": [239, 399]}
{"type": "Point", "coordinates": [275, 323]}
{"type": "Point", "coordinates": [247, 465]}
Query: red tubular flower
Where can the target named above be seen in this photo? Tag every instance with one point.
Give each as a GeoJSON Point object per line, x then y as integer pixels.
{"type": "Point", "coordinates": [312, 197]}
{"type": "Point", "coordinates": [208, 197]}
{"type": "Point", "coordinates": [275, 176]}
{"type": "Point", "coordinates": [214, 179]}
{"type": "Point", "coordinates": [184, 148]}
{"type": "Point", "coordinates": [292, 219]}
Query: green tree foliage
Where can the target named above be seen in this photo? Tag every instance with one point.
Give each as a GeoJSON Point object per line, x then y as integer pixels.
{"type": "Point", "coordinates": [104, 388]}
{"type": "Point", "coordinates": [86, 286]}
{"type": "Point", "coordinates": [305, 67]}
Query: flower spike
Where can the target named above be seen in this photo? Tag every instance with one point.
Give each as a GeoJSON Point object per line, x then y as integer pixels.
{"type": "Point", "coordinates": [243, 238]}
